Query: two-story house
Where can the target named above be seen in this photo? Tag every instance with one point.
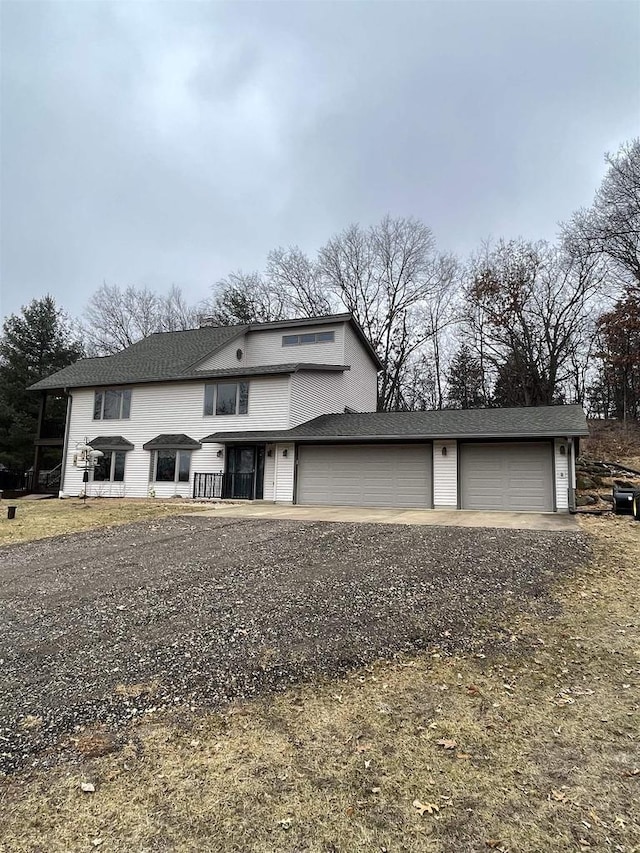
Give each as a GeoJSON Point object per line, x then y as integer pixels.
{"type": "Point", "coordinates": [285, 411]}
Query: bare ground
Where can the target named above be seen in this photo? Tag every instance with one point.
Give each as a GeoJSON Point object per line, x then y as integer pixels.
{"type": "Point", "coordinates": [515, 728]}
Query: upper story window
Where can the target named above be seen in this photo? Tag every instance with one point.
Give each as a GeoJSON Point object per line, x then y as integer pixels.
{"type": "Point", "coordinates": [112, 404]}
{"type": "Point", "coordinates": [226, 398]}
{"type": "Point", "coordinates": [308, 338]}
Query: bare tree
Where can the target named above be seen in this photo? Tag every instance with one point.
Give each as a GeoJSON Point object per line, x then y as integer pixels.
{"type": "Point", "coordinates": [117, 317]}
{"type": "Point", "coordinates": [243, 298]}
{"type": "Point", "coordinates": [440, 315]}
{"type": "Point", "coordinates": [385, 276]}
{"type": "Point", "coordinates": [175, 313]}
{"type": "Point", "coordinates": [298, 280]}
{"type": "Point", "coordinates": [532, 305]}
{"type": "Point", "coordinates": [610, 228]}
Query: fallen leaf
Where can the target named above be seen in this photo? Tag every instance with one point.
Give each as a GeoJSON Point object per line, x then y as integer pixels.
{"type": "Point", "coordinates": [446, 743]}
{"type": "Point", "coordinates": [430, 808]}
{"type": "Point", "coordinates": [88, 787]}
{"type": "Point", "coordinates": [375, 790]}
{"type": "Point", "coordinates": [285, 823]}
{"type": "Point", "coordinates": [464, 755]}
{"type": "Point", "coordinates": [559, 796]}
{"type": "Point", "coordinates": [472, 689]}
{"type": "Point", "coordinates": [349, 811]}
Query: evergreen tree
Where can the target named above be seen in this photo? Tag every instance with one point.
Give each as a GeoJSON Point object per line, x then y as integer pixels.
{"type": "Point", "coordinates": [464, 380]}
{"type": "Point", "coordinates": [33, 345]}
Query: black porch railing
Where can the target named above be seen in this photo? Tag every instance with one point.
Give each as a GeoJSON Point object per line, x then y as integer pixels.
{"type": "Point", "coordinates": [207, 485]}
{"type": "Point", "coordinates": [238, 486]}
{"type": "Point", "coordinates": [13, 480]}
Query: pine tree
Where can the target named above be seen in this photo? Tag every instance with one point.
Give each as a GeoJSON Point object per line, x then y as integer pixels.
{"type": "Point", "coordinates": [33, 345]}
{"type": "Point", "coordinates": [464, 380]}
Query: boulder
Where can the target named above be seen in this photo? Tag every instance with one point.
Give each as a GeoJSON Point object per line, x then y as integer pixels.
{"type": "Point", "coordinates": [586, 500]}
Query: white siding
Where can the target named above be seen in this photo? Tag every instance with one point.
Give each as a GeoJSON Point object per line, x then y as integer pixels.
{"type": "Point", "coordinates": [269, 473]}
{"type": "Point", "coordinates": [562, 474]}
{"type": "Point", "coordinates": [445, 474]}
{"type": "Point", "coordinates": [314, 393]}
{"type": "Point", "coordinates": [226, 357]}
{"type": "Point", "coordinates": [175, 407]}
{"type": "Point", "coordinates": [361, 382]}
{"type": "Point", "coordinates": [265, 347]}
{"type": "Point", "coordinates": [284, 468]}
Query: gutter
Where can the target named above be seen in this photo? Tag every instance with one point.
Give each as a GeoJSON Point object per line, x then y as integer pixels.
{"type": "Point", "coordinates": [205, 375]}
{"type": "Point", "coordinates": [240, 437]}
{"type": "Point", "coordinates": [65, 446]}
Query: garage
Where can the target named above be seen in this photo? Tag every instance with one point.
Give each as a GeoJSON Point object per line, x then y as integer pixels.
{"type": "Point", "coordinates": [395, 475]}
{"type": "Point", "coordinates": [509, 476]}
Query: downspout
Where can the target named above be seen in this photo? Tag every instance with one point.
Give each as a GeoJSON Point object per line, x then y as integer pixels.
{"type": "Point", "coordinates": [65, 447]}
{"type": "Point", "coordinates": [572, 475]}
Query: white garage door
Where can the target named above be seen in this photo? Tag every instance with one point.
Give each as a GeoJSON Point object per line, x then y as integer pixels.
{"type": "Point", "coordinates": [511, 476]}
{"type": "Point", "coordinates": [365, 475]}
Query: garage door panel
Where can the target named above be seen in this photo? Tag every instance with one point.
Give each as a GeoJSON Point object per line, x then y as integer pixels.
{"type": "Point", "coordinates": [507, 476]}
{"type": "Point", "coordinates": [365, 475]}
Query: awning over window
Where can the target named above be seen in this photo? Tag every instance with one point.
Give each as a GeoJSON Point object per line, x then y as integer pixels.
{"type": "Point", "coordinates": [171, 441]}
{"type": "Point", "coordinates": [111, 442]}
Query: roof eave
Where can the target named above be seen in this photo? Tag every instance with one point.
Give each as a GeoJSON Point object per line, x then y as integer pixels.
{"type": "Point", "coordinates": [226, 437]}
{"type": "Point", "coordinates": [236, 373]}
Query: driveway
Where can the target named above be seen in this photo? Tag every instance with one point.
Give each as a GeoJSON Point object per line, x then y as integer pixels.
{"type": "Point", "coordinates": [393, 515]}
{"type": "Point", "coordinates": [100, 627]}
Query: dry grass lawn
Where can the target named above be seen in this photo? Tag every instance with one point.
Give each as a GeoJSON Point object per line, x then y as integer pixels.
{"type": "Point", "coordinates": [535, 750]}
{"type": "Point", "coordinates": [39, 519]}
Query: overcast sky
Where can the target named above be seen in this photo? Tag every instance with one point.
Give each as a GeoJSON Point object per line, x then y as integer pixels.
{"type": "Point", "coordinates": [152, 143]}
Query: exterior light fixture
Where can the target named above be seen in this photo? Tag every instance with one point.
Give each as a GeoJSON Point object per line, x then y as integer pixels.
{"type": "Point", "coordinates": [563, 450]}
{"type": "Point", "coordinates": [220, 453]}
{"type": "Point", "coordinates": [269, 452]}
{"type": "Point", "coordinates": [444, 451]}
{"type": "Point", "coordinates": [285, 452]}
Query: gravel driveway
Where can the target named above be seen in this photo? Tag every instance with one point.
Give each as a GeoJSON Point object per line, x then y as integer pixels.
{"type": "Point", "coordinates": [98, 627]}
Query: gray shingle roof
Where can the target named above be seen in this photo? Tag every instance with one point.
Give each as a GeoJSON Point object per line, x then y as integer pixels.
{"type": "Point", "coordinates": [111, 442]}
{"type": "Point", "coordinates": [531, 422]}
{"type": "Point", "coordinates": [171, 441]}
{"type": "Point", "coordinates": [167, 355]}
{"type": "Point", "coordinates": [170, 356]}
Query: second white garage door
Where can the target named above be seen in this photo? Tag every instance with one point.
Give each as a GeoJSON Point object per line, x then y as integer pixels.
{"type": "Point", "coordinates": [365, 475]}
{"type": "Point", "coordinates": [514, 476]}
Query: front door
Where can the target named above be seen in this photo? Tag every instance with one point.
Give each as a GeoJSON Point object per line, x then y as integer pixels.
{"type": "Point", "coordinates": [245, 472]}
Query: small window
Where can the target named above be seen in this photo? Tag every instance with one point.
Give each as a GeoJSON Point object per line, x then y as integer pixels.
{"type": "Point", "coordinates": [226, 398]}
{"type": "Point", "coordinates": [171, 466]}
{"type": "Point", "coordinates": [112, 404]}
{"type": "Point", "coordinates": [109, 468]}
{"type": "Point", "coordinates": [308, 338]}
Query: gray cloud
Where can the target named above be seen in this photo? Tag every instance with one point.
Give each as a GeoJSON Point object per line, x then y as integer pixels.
{"type": "Point", "coordinates": [153, 143]}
